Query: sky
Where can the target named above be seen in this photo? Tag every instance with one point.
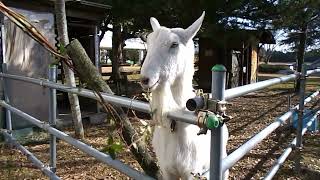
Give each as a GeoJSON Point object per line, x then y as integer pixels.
{"type": "Point", "coordinates": [280, 35]}
{"type": "Point", "coordinates": [135, 43]}
{"type": "Point", "coordinates": [139, 44]}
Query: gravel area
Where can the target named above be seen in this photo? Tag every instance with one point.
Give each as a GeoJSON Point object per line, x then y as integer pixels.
{"type": "Point", "coordinates": [250, 113]}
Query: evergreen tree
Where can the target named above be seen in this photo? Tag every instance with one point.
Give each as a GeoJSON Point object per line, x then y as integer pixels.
{"type": "Point", "coordinates": [301, 20]}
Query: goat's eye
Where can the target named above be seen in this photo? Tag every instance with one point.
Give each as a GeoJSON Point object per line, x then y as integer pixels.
{"type": "Point", "coordinates": [174, 45]}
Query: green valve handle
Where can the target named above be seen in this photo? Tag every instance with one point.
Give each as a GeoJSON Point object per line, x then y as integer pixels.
{"type": "Point", "coordinates": [212, 121]}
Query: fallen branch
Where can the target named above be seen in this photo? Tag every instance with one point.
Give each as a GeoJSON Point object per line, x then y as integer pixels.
{"type": "Point", "coordinates": [89, 74]}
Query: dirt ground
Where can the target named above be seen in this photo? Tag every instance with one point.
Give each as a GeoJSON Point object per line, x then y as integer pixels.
{"type": "Point", "coordinates": [251, 114]}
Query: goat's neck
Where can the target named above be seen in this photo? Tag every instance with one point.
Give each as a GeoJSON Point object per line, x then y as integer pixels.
{"type": "Point", "coordinates": [182, 89]}
{"type": "Point", "coordinates": [168, 98]}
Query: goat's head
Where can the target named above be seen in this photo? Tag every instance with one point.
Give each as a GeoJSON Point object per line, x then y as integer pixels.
{"type": "Point", "coordinates": [167, 54]}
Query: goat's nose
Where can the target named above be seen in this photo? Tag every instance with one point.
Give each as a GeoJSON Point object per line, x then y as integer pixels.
{"type": "Point", "coordinates": [144, 81]}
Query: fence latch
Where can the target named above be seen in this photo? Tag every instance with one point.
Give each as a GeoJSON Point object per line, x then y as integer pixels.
{"type": "Point", "coordinates": [211, 112]}
{"type": "Point", "coordinates": [208, 120]}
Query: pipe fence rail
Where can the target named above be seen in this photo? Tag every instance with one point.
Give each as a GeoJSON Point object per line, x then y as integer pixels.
{"type": "Point", "coordinates": [287, 151]}
{"type": "Point", "coordinates": [242, 90]}
{"type": "Point", "coordinates": [217, 165]}
{"type": "Point", "coordinates": [105, 158]}
{"type": "Point", "coordinates": [236, 155]}
{"type": "Point", "coordinates": [46, 170]}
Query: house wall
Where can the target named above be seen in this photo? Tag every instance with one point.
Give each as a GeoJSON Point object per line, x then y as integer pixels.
{"type": "Point", "coordinates": [240, 59]}
{"type": "Point", "coordinates": [208, 56]}
{"type": "Point", "coordinates": [25, 57]}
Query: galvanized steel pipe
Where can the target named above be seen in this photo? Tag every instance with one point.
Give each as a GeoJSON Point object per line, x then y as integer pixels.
{"type": "Point", "coordinates": [113, 99]}
{"type": "Point", "coordinates": [287, 151]}
{"type": "Point", "coordinates": [145, 107]}
{"type": "Point", "coordinates": [236, 155]}
{"type": "Point", "coordinates": [52, 117]}
{"type": "Point", "coordinates": [105, 158]}
{"type": "Point", "coordinates": [242, 90]}
{"type": "Point", "coordinates": [301, 106]}
{"type": "Point", "coordinates": [6, 98]}
{"type": "Point", "coordinates": [218, 83]}
{"type": "Point", "coordinates": [46, 170]}
{"type": "Point", "coordinates": [184, 116]}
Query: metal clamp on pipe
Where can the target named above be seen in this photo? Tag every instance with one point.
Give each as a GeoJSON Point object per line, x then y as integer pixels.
{"type": "Point", "coordinates": [208, 120]}
{"type": "Point", "coordinates": [202, 101]}
{"type": "Point", "coordinates": [211, 113]}
{"type": "Point", "coordinates": [219, 107]}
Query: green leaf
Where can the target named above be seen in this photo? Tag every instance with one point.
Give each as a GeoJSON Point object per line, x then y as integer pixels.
{"type": "Point", "coordinates": [62, 49]}
{"type": "Point", "coordinates": [117, 147]}
{"type": "Point", "coordinates": [112, 147]}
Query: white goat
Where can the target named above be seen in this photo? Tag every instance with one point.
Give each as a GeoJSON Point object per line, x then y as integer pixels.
{"type": "Point", "coordinates": [168, 71]}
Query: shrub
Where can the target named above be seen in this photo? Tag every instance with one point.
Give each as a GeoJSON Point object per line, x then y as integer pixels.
{"type": "Point", "coordinates": [266, 68]}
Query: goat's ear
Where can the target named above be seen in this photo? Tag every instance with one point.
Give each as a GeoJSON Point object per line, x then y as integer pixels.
{"type": "Point", "coordinates": [154, 23]}
{"type": "Point", "coordinates": [192, 30]}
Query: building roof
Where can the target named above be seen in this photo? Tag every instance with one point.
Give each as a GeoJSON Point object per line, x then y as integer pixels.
{"type": "Point", "coordinates": [263, 36]}
{"type": "Point", "coordinates": [93, 10]}
{"type": "Point", "coordinates": [236, 38]}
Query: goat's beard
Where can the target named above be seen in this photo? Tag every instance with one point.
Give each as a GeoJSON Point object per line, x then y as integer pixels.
{"type": "Point", "coordinates": [162, 102]}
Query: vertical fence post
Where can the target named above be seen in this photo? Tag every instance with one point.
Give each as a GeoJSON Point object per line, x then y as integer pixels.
{"type": "Point", "coordinates": [300, 116]}
{"type": "Point", "coordinates": [289, 102]}
{"type": "Point", "coordinates": [97, 57]}
{"type": "Point", "coordinates": [2, 60]}
{"type": "Point", "coordinates": [6, 98]}
{"type": "Point", "coordinates": [217, 91]}
{"type": "Point", "coordinates": [290, 121]}
{"type": "Point", "coordinates": [52, 118]}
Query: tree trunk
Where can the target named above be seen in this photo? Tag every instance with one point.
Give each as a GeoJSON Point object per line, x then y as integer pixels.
{"type": "Point", "coordinates": [300, 53]}
{"type": "Point", "coordinates": [117, 55]}
{"type": "Point", "coordinates": [61, 21]}
{"type": "Point", "coordinates": [90, 75]}
{"type": "Point", "coordinates": [116, 52]}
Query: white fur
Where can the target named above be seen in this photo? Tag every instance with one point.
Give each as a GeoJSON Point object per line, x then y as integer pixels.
{"type": "Point", "coordinates": [169, 68]}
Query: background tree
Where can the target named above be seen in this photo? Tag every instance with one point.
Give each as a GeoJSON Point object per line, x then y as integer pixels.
{"type": "Point", "coordinates": [61, 21]}
{"type": "Point", "coordinates": [301, 20]}
{"type": "Point", "coordinates": [123, 17]}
